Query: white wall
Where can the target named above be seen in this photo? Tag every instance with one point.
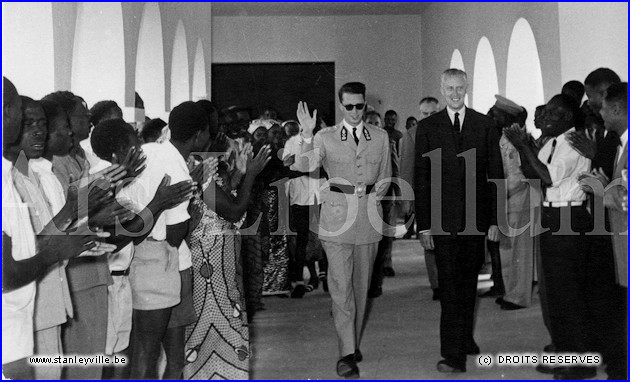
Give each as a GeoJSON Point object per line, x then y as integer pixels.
{"type": "Point", "coordinates": [53, 46]}
{"type": "Point", "coordinates": [28, 25]}
{"type": "Point", "coordinates": [381, 51]}
{"type": "Point", "coordinates": [593, 35]}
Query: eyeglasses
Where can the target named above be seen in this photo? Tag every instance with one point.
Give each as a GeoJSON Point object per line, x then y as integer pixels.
{"type": "Point", "coordinates": [359, 106]}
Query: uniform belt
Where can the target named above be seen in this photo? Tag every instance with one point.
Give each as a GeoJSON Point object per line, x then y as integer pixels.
{"type": "Point", "coordinates": [349, 189]}
{"type": "Point", "coordinates": [120, 273]}
{"type": "Point", "coordinates": [564, 204]}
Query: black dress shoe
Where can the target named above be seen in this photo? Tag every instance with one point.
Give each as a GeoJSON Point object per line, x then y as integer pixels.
{"type": "Point", "coordinates": [549, 348]}
{"type": "Point", "coordinates": [298, 291]}
{"type": "Point", "coordinates": [493, 292]}
{"type": "Point", "coordinates": [499, 301]}
{"type": "Point", "coordinates": [436, 294]}
{"type": "Point", "coordinates": [375, 292]}
{"type": "Point", "coordinates": [358, 357]}
{"type": "Point", "coordinates": [347, 367]}
{"type": "Point", "coordinates": [579, 372]}
{"type": "Point", "coordinates": [545, 369]}
{"type": "Point", "coordinates": [510, 306]}
{"type": "Point", "coordinates": [447, 366]}
{"type": "Point", "coordinates": [389, 272]}
{"type": "Point", "coordinates": [473, 349]}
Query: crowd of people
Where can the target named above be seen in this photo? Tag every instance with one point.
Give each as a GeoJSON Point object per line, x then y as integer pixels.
{"type": "Point", "coordinates": [163, 237]}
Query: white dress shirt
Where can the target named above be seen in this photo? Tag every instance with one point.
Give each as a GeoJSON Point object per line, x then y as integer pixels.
{"type": "Point", "coordinates": [162, 158]}
{"type": "Point", "coordinates": [351, 129]}
{"type": "Point", "coordinates": [17, 305]}
{"type": "Point", "coordinates": [564, 164]}
{"type": "Point", "coordinates": [451, 116]}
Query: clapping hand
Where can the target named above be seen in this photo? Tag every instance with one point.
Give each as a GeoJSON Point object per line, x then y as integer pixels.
{"type": "Point", "coordinates": [256, 164]}
{"type": "Point", "coordinates": [289, 160]}
{"type": "Point", "coordinates": [241, 158]}
{"type": "Point", "coordinates": [110, 214]}
{"type": "Point", "coordinates": [517, 136]}
{"type": "Point", "coordinates": [134, 162]}
{"type": "Point", "coordinates": [593, 182]}
{"type": "Point", "coordinates": [205, 170]}
{"type": "Point", "coordinates": [168, 196]}
{"type": "Point", "coordinates": [82, 242]}
{"type": "Point", "coordinates": [307, 121]}
{"type": "Point", "coordinates": [583, 142]}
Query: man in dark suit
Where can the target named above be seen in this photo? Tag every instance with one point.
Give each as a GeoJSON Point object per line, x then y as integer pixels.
{"type": "Point", "coordinates": [457, 152]}
{"type": "Point", "coordinates": [614, 112]}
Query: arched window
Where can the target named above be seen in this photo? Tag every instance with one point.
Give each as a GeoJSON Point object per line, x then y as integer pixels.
{"type": "Point", "coordinates": [180, 87]}
{"type": "Point", "coordinates": [27, 47]}
{"type": "Point", "coordinates": [199, 74]}
{"type": "Point", "coordinates": [98, 63]}
{"type": "Point", "coordinates": [485, 80]}
{"type": "Point", "coordinates": [457, 62]}
{"type": "Point", "coordinates": [524, 83]}
{"type": "Point", "coordinates": [150, 83]}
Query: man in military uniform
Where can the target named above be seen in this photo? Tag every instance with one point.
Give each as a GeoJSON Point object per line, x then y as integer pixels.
{"type": "Point", "coordinates": [356, 157]}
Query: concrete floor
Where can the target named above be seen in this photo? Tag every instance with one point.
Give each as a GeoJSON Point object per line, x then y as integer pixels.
{"type": "Point", "coordinates": [295, 338]}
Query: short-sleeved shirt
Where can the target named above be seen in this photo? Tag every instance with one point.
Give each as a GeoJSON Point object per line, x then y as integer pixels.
{"type": "Point", "coordinates": [17, 305]}
{"type": "Point", "coordinates": [162, 159]}
{"type": "Point", "coordinates": [564, 164]}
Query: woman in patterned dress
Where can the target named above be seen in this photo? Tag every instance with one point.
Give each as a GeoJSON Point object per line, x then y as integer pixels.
{"type": "Point", "coordinates": [217, 345]}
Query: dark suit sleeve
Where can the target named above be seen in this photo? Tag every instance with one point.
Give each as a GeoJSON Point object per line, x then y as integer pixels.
{"type": "Point", "coordinates": [422, 179]}
{"type": "Point", "coordinates": [495, 168]}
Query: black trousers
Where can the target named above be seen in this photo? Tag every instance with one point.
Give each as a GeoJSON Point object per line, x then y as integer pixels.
{"type": "Point", "coordinates": [384, 247]}
{"type": "Point", "coordinates": [459, 260]}
{"type": "Point", "coordinates": [565, 260]}
{"type": "Point", "coordinates": [299, 221]}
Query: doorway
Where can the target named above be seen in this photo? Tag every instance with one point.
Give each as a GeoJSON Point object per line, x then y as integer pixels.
{"type": "Point", "coordinates": [279, 85]}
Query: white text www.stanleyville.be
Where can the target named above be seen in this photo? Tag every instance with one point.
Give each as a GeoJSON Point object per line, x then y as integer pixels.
{"type": "Point", "coordinates": [78, 360]}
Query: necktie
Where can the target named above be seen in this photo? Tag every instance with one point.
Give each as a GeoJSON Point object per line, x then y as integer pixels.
{"type": "Point", "coordinates": [356, 137]}
{"type": "Point", "coordinates": [456, 125]}
{"type": "Point", "coordinates": [553, 149]}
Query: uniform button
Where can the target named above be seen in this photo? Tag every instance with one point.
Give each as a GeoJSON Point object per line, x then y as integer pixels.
{"type": "Point", "coordinates": [359, 165]}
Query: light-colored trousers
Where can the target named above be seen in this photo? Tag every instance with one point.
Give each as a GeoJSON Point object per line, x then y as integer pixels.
{"type": "Point", "coordinates": [48, 343]}
{"type": "Point", "coordinates": [349, 273]}
{"type": "Point", "coordinates": [517, 261]}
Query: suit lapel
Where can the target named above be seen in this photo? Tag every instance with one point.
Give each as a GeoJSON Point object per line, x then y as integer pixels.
{"type": "Point", "coordinates": [468, 131]}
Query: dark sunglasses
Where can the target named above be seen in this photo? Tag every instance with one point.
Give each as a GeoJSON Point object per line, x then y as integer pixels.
{"type": "Point", "coordinates": [359, 106]}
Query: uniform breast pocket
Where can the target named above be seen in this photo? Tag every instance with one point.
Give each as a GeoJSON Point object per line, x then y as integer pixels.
{"type": "Point", "coordinates": [339, 158]}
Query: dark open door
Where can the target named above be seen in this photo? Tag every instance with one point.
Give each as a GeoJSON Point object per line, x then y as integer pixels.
{"type": "Point", "coordinates": [280, 85]}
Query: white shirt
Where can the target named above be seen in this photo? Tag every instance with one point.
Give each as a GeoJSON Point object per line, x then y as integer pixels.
{"type": "Point", "coordinates": [351, 129]}
{"type": "Point", "coordinates": [53, 301]}
{"type": "Point", "coordinates": [50, 184]}
{"type": "Point", "coordinates": [451, 115]}
{"type": "Point", "coordinates": [17, 305]}
{"type": "Point", "coordinates": [564, 167]}
{"type": "Point", "coordinates": [120, 260]}
{"type": "Point", "coordinates": [162, 158]}
{"type": "Point", "coordinates": [304, 190]}
{"type": "Point", "coordinates": [86, 145]}
{"type": "Point", "coordinates": [624, 142]}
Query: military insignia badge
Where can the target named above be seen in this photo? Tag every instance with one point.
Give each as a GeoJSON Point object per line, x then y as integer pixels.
{"type": "Point", "coordinates": [366, 134]}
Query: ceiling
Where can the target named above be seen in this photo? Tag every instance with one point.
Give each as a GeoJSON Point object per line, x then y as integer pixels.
{"type": "Point", "coordinates": [316, 9]}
